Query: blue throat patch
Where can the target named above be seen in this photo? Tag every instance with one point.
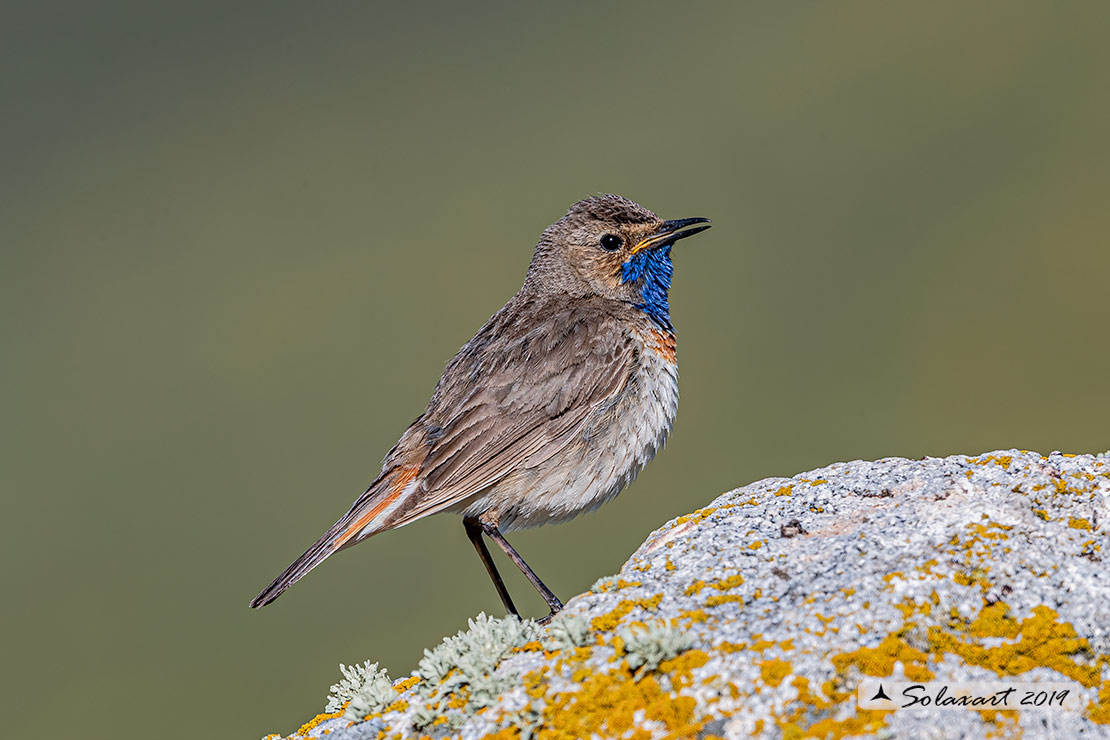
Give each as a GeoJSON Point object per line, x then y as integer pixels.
{"type": "Point", "coordinates": [654, 269]}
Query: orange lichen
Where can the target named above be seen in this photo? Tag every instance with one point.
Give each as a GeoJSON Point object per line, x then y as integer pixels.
{"type": "Point", "coordinates": [879, 661]}
{"type": "Point", "coordinates": [307, 727]}
{"type": "Point", "coordinates": [681, 668]}
{"type": "Point", "coordinates": [697, 517]}
{"type": "Point", "coordinates": [722, 584]}
{"type": "Point", "coordinates": [695, 587]}
{"type": "Point", "coordinates": [606, 622]}
{"type": "Point", "coordinates": [616, 585]}
{"type": "Point", "coordinates": [731, 647]}
{"type": "Point", "coordinates": [864, 722]}
{"type": "Point", "coordinates": [1100, 712]}
{"type": "Point", "coordinates": [1003, 460]}
{"type": "Point", "coordinates": [785, 490]}
{"type": "Point", "coordinates": [724, 599]}
{"type": "Point", "coordinates": [1075, 523]}
{"type": "Point", "coordinates": [403, 686]}
{"type": "Point", "coordinates": [793, 726]}
{"type": "Point", "coordinates": [1042, 641]}
{"type": "Point", "coordinates": [530, 647]}
{"type": "Point", "coordinates": [773, 671]}
{"type": "Point", "coordinates": [607, 704]}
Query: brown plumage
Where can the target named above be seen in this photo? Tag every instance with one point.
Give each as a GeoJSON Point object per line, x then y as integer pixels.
{"type": "Point", "coordinates": [553, 406]}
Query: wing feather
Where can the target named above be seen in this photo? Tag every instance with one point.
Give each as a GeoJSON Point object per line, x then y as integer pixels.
{"type": "Point", "coordinates": [514, 398]}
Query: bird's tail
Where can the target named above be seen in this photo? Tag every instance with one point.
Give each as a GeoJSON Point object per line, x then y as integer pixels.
{"type": "Point", "coordinates": [365, 518]}
{"type": "Point", "coordinates": [312, 557]}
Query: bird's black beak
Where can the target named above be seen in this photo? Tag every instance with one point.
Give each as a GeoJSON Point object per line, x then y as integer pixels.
{"type": "Point", "coordinates": [671, 232]}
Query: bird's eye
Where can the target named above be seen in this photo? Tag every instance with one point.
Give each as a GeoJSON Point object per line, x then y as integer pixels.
{"type": "Point", "coordinates": [611, 242]}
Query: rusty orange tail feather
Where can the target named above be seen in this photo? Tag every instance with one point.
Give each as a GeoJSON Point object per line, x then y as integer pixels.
{"type": "Point", "coordinates": [381, 494]}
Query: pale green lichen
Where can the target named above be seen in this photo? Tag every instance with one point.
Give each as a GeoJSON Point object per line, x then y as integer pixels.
{"type": "Point", "coordinates": [469, 659]}
{"type": "Point", "coordinates": [570, 631]}
{"type": "Point", "coordinates": [476, 650]}
{"type": "Point", "coordinates": [650, 644]}
{"type": "Point", "coordinates": [373, 697]}
{"type": "Point", "coordinates": [364, 682]}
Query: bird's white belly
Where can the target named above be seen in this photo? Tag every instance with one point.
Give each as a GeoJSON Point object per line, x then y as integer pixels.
{"type": "Point", "coordinates": [617, 441]}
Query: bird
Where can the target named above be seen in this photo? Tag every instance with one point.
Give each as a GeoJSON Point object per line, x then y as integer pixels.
{"type": "Point", "coordinates": [551, 409]}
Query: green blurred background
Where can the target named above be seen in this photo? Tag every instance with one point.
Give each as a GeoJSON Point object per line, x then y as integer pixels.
{"type": "Point", "coordinates": [240, 241]}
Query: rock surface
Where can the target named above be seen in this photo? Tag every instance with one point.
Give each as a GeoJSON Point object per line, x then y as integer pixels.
{"type": "Point", "coordinates": [758, 615]}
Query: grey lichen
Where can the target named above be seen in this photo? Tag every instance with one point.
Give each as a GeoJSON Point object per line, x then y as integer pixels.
{"type": "Point", "coordinates": [374, 696]}
{"type": "Point", "coordinates": [363, 684]}
{"type": "Point", "coordinates": [470, 658]}
{"type": "Point", "coordinates": [650, 644]}
{"type": "Point", "coordinates": [477, 650]}
{"type": "Point", "coordinates": [570, 631]}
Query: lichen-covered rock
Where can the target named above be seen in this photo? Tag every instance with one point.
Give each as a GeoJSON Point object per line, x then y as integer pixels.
{"type": "Point", "coordinates": [758, 615]}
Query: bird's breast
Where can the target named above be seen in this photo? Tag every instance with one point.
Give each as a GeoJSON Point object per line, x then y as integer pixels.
{"type": "Point", "coordinates": [651, 400]}
{"type": "Point", "coordinates": [616, 441]}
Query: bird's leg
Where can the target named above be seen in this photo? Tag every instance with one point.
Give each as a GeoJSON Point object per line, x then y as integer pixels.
{"type": "Point", "coordinates": [494, 533]}
{"type": "Point", "coordinates": [474, 532]}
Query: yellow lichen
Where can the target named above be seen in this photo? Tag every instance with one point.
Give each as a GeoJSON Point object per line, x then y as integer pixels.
{"type": "Point", "coordinates": [616, 585]}
{"type": "Point", "coordinates": [1003, 460]}
{"type": "Point", "coordinates": [694, 587]}
{"type": "Point", "coordinates": [681, 668]}
{"type": "Point", "coordinates": [1041, 641]}
{"type": "Point", "coordinates": [697, 517]}
{"type": "Point", "coordinates": [864, 722]}
{"type": "Point", "coordinates": [880, 661]}
{"type": "Point", "coordinates": [405, 685]}
{"type": "Point", "coordinates": [773, 671]}
{"type": "Point", "coordinates": [307, 727]}
{"type": "Point", "coordinates": [1100, 712]}
{"type": "Point", "coordinates": [606, 622]}
{"type": "Point", "coordinates": [785, 490]}
{"type": "Point", "coordinates": [731, 647]}
{"type": "Point", "coordinates": [1075, 523]}
{"type": "Point", "coordinates": [607, 704]}
{"type": "Point", "coordinates": [723, 584]}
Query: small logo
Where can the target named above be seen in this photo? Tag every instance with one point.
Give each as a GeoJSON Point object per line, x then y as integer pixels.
{"type": "Point", "coordinates": [880, 694]}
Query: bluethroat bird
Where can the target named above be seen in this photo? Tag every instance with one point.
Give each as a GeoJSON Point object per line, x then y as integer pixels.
{"type": "Point", "coordinates": [552, 408]}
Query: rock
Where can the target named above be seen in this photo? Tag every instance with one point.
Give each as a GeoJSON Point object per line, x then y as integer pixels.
{"type": "Point", "coordinates": [758, 616]}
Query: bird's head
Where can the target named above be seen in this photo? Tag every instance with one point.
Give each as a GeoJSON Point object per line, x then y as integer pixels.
{"type": "Point", "coordinates": [612, 247]}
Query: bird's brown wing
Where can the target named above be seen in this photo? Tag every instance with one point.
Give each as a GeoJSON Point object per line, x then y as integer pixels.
{"type": "Point", "coordinates": [515, 395]}
{"type": "Point", "coordinates": [515, 400]}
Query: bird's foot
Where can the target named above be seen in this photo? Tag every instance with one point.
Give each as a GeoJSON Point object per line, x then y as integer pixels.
{"type": "Point", "coordinates": [544, 621]}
